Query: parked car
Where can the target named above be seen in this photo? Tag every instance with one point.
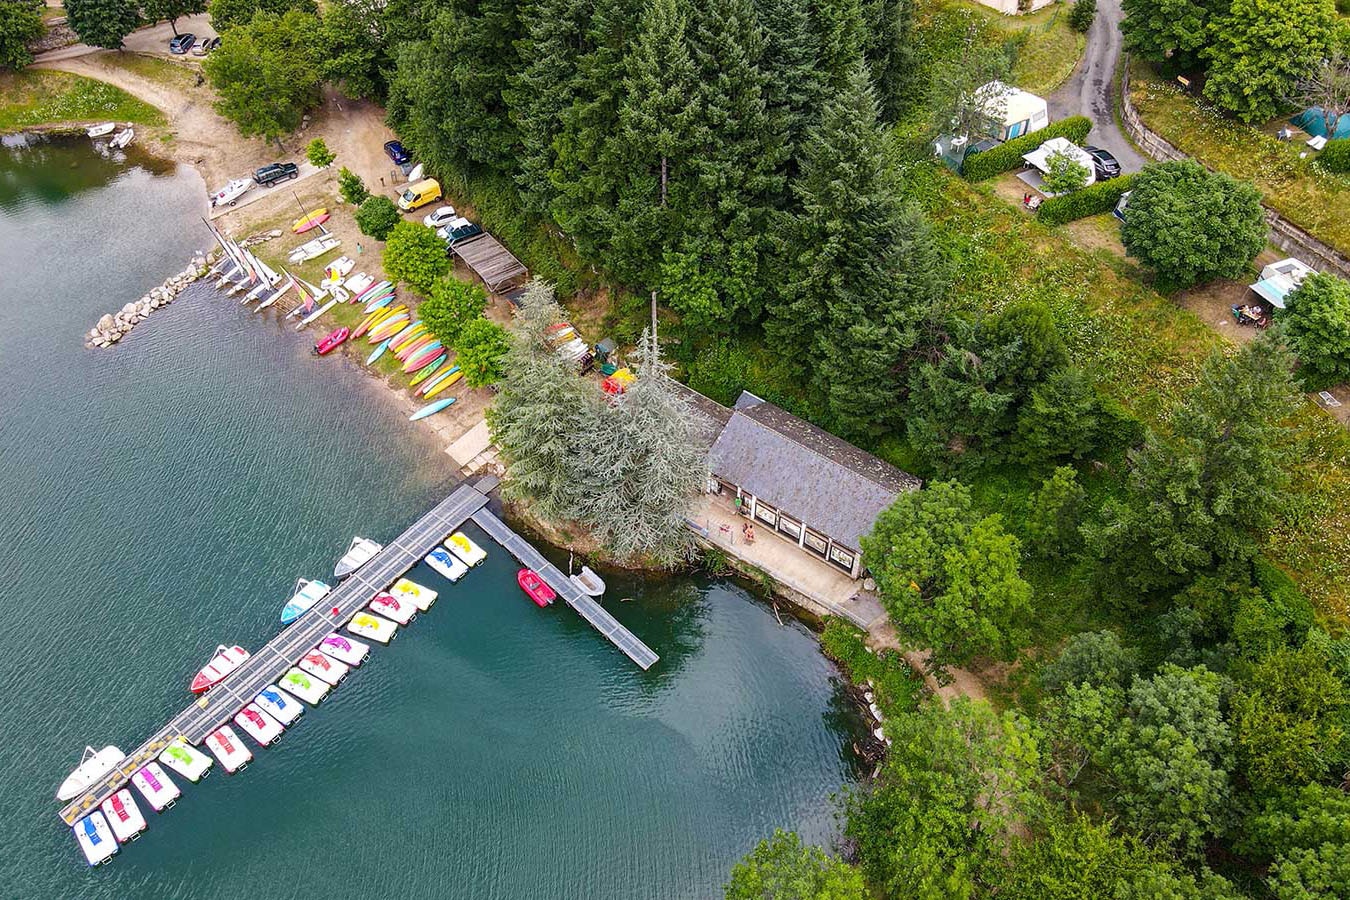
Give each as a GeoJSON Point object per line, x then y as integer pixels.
{"type": "Point", "coordinates": [428, 190]}
{"type": "Point", "coordinates": [182, 43]}
{"type": "Point", "coordinates": [1107, 166]}
{"type": "Point", "coordinates": [270, 174]}
{"type": "Point", "coordinates": [205, 46]}
{"type": "Point", "coordinates": [397, 153]}
{"type": "Point", "coordinates": [440, 217]}
{"type": "Point", "coordinates": [458, 230]}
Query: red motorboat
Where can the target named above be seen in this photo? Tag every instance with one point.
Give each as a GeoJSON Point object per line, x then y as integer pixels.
{"type": "Point", "coordinates": [226, 660]}
{"type": "Point", "coordinates": [535, 587]}
{"type": "Point", "coordinates": [332, 341]}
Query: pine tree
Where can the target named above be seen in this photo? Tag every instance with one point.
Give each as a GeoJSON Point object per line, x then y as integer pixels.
{"type": "Point", "coordinates": [647, 466]}
{"type": "Point", "coordinates": [889, 50]}
{"type": "Point", "coordinates": [793, 90]}
{"type": "Point", "coordinates": [103, 23]}
{"type": "Point", "coordinates": [841, 33]}
{"type": "Point", "coordinates": [866, 272]}
{"type": "Point", "coordinates": [658, 116]}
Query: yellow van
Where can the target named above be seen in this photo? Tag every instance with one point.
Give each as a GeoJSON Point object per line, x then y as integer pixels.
{"type": "Point", "coordinates": [426, 191]}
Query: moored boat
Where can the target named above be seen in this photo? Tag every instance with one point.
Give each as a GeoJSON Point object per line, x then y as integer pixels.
{"type": "Point", "coordinates": [307, 593]}
{"type": "Point", "coordinates": [431, 409]}
{"type": "Point", "coordinates": [336, 271]}
{"type": "Point", "coordinates": [389, 606]}
{"type": "Point", "coordinates": [590, 583]}
{"type": "Point", "coordinates": [122, 138]}
{"type": "Point", "coordinates": [347, 650]}
{"type": "Point", "coordinates": [324, 667]}
{"type": "Point", "coordinates": [279, 705]}
{"type": "Point", "coordinates": [102, 130]}
{"type": "Point", "coordinates": [94, 764]}
{"type": "Point", "coordinates": [535, 587]}
{"type": "Point", "coordinates": [187, 761]}
{"type": "Point", "coordinates": [225, 745]}
{"type": "Point", "coordinates": [372, 626]}
{"type": "Point", "coordinates": [421, 597]}
{"type": "Point", "coordinates": [258, 725]}
{"type": "Point", "coordinates": [315, 248]}
{"type": "Point", "coordinates": [226, 660]}
{"type": "Point", "coordinates": [318, 312]}
{"type": "Point", "coordinates": [334, 340]}
{"type": "Point", "coordinates": [469, 553]}
{"type": "Point", "coordinates": [305, 686]}
{"type": "Point", "coordinates": [123, 815]}
{"type": "Point", "coordinates": [156, 787]}
{"type": "Point", "coordinates": [361, 551]}
{"type": "Point", "coordinates": [96, 838]}
{"type": "Point", "coordinates": [448, 566]}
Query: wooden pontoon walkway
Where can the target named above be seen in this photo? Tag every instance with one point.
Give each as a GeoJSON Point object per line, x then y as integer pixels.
{"type": "Point", "coordinates": [591, 611]}
{"type": "Point", "coordinates": [218, 705]}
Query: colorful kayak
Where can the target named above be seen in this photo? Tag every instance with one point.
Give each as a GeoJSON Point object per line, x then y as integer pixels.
{"type": "Point", "coordinates": [187, 761]}
{"type": "Point", "coordinates": [424, 357]}
{"type": "Point", "coordinates": [332, 341]}
{"type": "Point", "coordinates": [428, 370]}
{"type": "Point", "coordinates": [156, 787]}
{"type": "Point", "coordinates": [94, 764]}
{"type": "Point", "coordinates": [225, 745]}
{"type": "Point", "coordinates": [405, 338]}
{"type": "Point", "coordinates": [312, 219]}
{"type": "Point", "coordinates": [279, 705]}
{"type": "Point", "coordinates": [324, 668]}
{"type": "Point", "coordinates": [371, 626]}
{"type": "Point", "coordinates": [440, 376]}
{"type": "Point", "coordinates": [408, 349]}
{"type": "Point", "coordinates": [421, 597]}
{"type": "Point", "coordinates": [305, 686]}
{"type": "Point", "coordinates": [453, 376]}
{"type": "Point", "coordinates": [306, 595]}
{"type": "Point", "coordinates": [96, 838]}
{"type": "Point", "coordinates": [347, 650]}
{"type": "Point", "coordinates": [389, 606]}
{"type": "Point", "coordinates": [258, 725]}
{"type": "Point", "coordinates": [381, 301]}
{"type": "Point", "coordinates": [449, 567]}
{"type": "Point", "coordinates": [377, 352]}
{"type": "Point", "coordinates": [373, 290]}
{"type": "Point", "coordinates": [431, 409]}
{"type": "Point", "coordinates": [226, 660]}
{"type": "Point", "coordinates": [535, 588]}
{"type": "Point", "coordinates": [124, 816]}
{"type": "Point", "coordinates": [361, 551]}
{"type": "Point", "coordinates": [390, 328]}
{"type": "Point", "coordinates": [373, 319]}
{"type": "Point", "coordinates": [469, 553]}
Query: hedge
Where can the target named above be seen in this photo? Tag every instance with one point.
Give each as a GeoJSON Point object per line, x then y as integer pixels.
{"type": "Point", "coordinates": [1091, 200]}
{"type": "Point", "coordinates": [1335, 156]}
{"type": "Point", "coordinates": [1008, 155]}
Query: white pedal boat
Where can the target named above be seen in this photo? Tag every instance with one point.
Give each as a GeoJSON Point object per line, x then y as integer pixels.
{"type": "Point", "coordinates": [421, 597]}
{"type": "Point", "coordinates": [225, 745]}
{"type": "Point", "coordinates": [324, 667]}
{"type": "Point", "coordinates": [93, 766]}
{"type": "Point", "coordinates": [123, 815]}
{"type": "Point", "coordinates": [448, 566]}
{"type": "Point", "coordinates": [468, 552]}
{"type": "Point", "coordinates": [257, 724]}
{"type": "Point", "coordinates": [156, 787]}
{"type": "Point", "coordinates": [305, 686]}
{"type": "Point", "coordinates": [361, 551]}
{"type": "Point", "coordinates": [358, 283]}
{"type": "Point", "coordinates": [96, 838]}
{"type": "Point", "coordinates": [371, 626]}
{"type": "Point", "coordinates": [189, 762]}
{"type": "Point", "coordinates": [279, 705]}
{"type": "Point", "coordinates": [347, 650]}
{"type": "Point", "coordinates": [389, 606]}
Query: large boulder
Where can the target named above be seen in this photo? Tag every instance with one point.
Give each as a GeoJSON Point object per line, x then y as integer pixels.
{"type": "Point", "coordinates": [105, 323]}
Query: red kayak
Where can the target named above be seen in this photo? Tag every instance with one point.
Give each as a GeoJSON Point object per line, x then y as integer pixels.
{"type": "Point", "coordinates": [332, 341]}
{"type": "Point", "coordinates": [535, 588]}
{"type": "Point", "coordinates": [226, 660]}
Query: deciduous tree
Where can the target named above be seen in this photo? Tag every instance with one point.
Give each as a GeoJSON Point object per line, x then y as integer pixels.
{"type": "Point", "coordinates": [1054, 514]}
{"type": "Point", "coordinates": [171, 10]}
{"type": "Point", "coordinates": [453, 304]}
{"type": "Point", "coordinates": [351, 187]}
{"type": "Point", "coordinates": [413, 254]}
{"type": "Point", "coordinates": [1064, 173]}
{"type": "Point", "coordinates": [1170, 33]}
{"type": "Point", "coordinates": [480, 352]}
{"type": "Point", "coordinates": [318, 154]}
{"type": "Point", "coordinates": [20, 25]}
{"type": "Point", "coordinates": [783, 867]}
{"type": "Point", "coordinates": [377, 216]}
{"type": "Point", "coordinates": [226, 14]}
{"type": "Point", "coordinates": [103, 23]}
{"type": "Point", "coordinates": [1316, 322]}
{"type": "Point", "coordinates": [266, 74]}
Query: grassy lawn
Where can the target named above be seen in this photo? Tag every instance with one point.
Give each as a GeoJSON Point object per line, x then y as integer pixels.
{"type": "Point", "coordinates": [1301, 192]}
{"type": "Point", "coordinates": [52, 12]}
{"type": "Point", "coordinates": [32, 98]}
{"type": "Point", "coordinates": [1049, 49]}
{"type": "Point", "coordinates": [153, 68]}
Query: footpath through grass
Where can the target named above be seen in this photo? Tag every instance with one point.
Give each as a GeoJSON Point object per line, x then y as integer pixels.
{"type": "Point", "coordinates": [1302, 192]}
{"type": "Point", "coordinates": [32, 98]}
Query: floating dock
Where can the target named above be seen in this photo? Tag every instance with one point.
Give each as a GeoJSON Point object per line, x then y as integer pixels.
{"type": "Point", "coordinates": [264, 668]}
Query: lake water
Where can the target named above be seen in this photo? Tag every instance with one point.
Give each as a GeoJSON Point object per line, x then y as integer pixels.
{"type": "Point", "coordinates": [161, 498]}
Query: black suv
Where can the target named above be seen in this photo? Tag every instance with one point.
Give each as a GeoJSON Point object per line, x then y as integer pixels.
{"type": "Point", "coordinates": [270, 175]}
{"type": "Point", "coordinates": [1107, 166]}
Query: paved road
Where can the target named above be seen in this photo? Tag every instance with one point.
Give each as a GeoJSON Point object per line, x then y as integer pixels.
{"type": "Point", "coordinates": [258, 192]}
{"type": "Point", "coordinates": [154, 39]}
{"type": "Point", "coordinates": [1091, 90]}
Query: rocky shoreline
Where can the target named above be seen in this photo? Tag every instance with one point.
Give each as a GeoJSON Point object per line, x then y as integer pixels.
{"type": "Point", "coordinates": [112, 327]}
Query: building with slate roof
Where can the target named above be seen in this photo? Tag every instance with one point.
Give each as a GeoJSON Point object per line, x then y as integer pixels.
{"type": "Point", "coordinates": [803, 483]}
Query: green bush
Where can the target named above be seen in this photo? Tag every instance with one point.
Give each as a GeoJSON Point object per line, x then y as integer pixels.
{"type": "Point", "coordinates": [1090, 201]}
{"type": "Point", "coordinates": [318, 153]}
{"type": "Point", "coordinates": [1335, 156]}
{"type": "Point", "coordinates": [898, 688]}
{"type": "Point", "coordinates": [351, 187]}
{"type": "Point", "coordinates": [1082, 14]}
{"type": "Point", "coordinates": [1008, 155]}
{"type": "Point", "coordinates": [377, 216]}
{"type": "Point", "coordinates": [1290, 603]}
{"type": "Point", "coordinates": [414, 255]}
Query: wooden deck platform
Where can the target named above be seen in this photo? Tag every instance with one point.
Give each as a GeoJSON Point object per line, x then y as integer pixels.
{"type": "Point", "coordinates": [491, 261]}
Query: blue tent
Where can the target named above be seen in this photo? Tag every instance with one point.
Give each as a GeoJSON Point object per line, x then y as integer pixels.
{"type": "Point", "coordinates": [1312, 121]}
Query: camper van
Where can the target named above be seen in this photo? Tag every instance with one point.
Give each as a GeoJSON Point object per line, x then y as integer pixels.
{"type": "Point", "coordinates": [420, 194]}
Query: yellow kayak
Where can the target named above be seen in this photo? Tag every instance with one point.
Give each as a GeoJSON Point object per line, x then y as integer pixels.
{"type": "Point", "coordinates": [312, 219]}
{"type": "Point", "coordinates": [444, 384]}
{"type": "Point", "coordinates": [413, 334]}
{"type": "Point", "coordinates": [377, 317]}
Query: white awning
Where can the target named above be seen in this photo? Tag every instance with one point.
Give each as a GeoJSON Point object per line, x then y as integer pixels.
{"type": "Point", "coordinates": [1273, 290]}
